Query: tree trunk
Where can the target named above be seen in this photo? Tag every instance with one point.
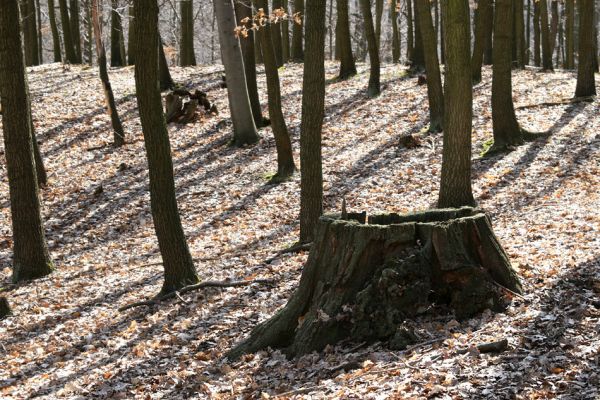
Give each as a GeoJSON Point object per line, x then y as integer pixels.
{"type": "Point", "coordinates": [313, 112]}
{"type": "Point", "coordinates": [74, 24]}
{"type": "Point", "coordinates": [488, 27]}
{"type": "Point", "coordinates": [39, 36]}
{"type": "Point", "coordinates": [31, 44]}
{"type": "Point", "coordinates": [40, 170]}
{"type": "Point", "coordinates": [546, 43]}
{"type": "Point", "coordinates": [276, 36]}
{"type": "Point", "coordinates": [378, 18]}
{"type": "Point", "coordinates": [116, 27]}
{"type": "Point", "coordinates": [553, 25]}
{"type": "Point", "coordinates": [519, 31]}
{"type": "Point", "coordinates": [164, 75]}
{"type": "Point", "coordinates": [455, 185]}
{"type": "Point", "coordinates": [528, 33]}
{"type": "Point", "coordinates": [586, 84]}
{"type": "Point", "coordinates": [54, 29]}
{"type": "Point", "coordinates": [432, 66]}
{"type": "Point", "coordinates": [88, 37]}
{"type": "Point", "coordinates": [31, 258]}
{"type": "Point", "coordinates": [285, 35]}
{"type": "Point", "coordinates": [395, 32]}
{"type": "Point", "coordinates": [297, 48]}
{"type": "Point", "coordinates": [243, 9]}
{"type": "Point", "coordinates": [374, 79]}
{"type": "Point", "coordinates": [130, 40]}
{"type": "Point", "coordinates": [285, 158]}
{"type": "Point", "coordinates": [506, 128]}
{"type": "Point", "coordinates": [410, 41]}
{"type": "Point", "coordinates": [177, 261]}
{"type": "Point", "coordinates": [347, 65]}
{"type": "Point", "coordinates": [362, 281]}
{"type": "Point", "coordinates": [187, 56]}
{"type": "Point", "coordinates": [70, 54]}
{"type": "Point", "coordinates": [569, 34]}
{"type": "Point", "coordinates": [418, 60]}
{"type": "Point", "coordinates": [118, 133]}
{"type": "Point", "coordinates": [481, 25]}
{"type": "Point", "coordinates": [537, 58]}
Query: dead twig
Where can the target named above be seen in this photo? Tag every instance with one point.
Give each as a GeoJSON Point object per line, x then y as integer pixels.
{"type": "Point", "coordinates": [575, 100]}
{"type": "Point", "coordinates": [197, 286]}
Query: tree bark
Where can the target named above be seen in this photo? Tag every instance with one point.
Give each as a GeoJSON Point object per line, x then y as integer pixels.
{"type": "Point", "coordinates": [31, 44]}
{"type": "Point", "coordinates": [374, 88]}
{"type": "Point", "coordinates": [165, 79]}
{"type": "Point", "coordinates": [347, 65]}
{"type": "Point", "coordinates": [116, 30]}
{"type": "Point", "coordinates": [118, 133]}
{"type": "Point", "coordinates": [378, 18]}
{"type": "Point", "coordinates": [481, 25]}
{"type": "Point", "coordinates": [519, 32]}
{"type": "Point", "coordinates": [410, 41]}
{"type": "Point", "coordinates": [361, 281]}
{"type": "Point", "coordinates": [586, 82]}
{"type": "Point", "coordinates": [395, 32]}
{"type": "Point", "coordinates": [243, 9]}
{"type": "Point", "coordinates": [432, 67]}
{"type": "Point", "coordinates": [31, 258]}
{"type": "Point", "coordinates": [177, 261]}
{"type": "Point", "coordinates": [54, 29]}
{"type": "Point", "coordinates": [546, 43]}
{"type": "Point", "coordinates": [418, 60]}
{"type": "Point", "coordinates": [285, 157]}
{"type": "Point", "coordinates": [313, 112]}
{"type": "Point", "coordinates": [187, 56]}
{"type": "Point", "coordinates": [297, 48]}
{"type": "Point", "coordinates": [569, 34]}
{"type": "Point", "coordinates": [488, 28]}
{"type": "Point", "coordinates": [455, 185]}
{"type": "Point", "coordinates": [74, 24]}
{"type": "Point", "coordinates": [130, 40]}
{"type": "Point", "coordinates": [285, 35]}
{"type": "Point", "coordinates": [276, 36]}
{"type": "Point", "coordinates": [537, 58]}
{"type": "Point", "coordinates": [553, 25]}
{"type": "Point", "coordinates": [70, 53]}
{"type": "Point", "coordinates": [506, 128]}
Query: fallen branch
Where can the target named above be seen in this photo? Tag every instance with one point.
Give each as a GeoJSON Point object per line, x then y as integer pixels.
{"type": "Point", "coordinates": [197, 286]}
{"type": "Point", "coordinates": [491, 347]}
{"type": "Point", "coordinates": [297, 248]}
{"type": "Point", "coordinates": [575, 100]}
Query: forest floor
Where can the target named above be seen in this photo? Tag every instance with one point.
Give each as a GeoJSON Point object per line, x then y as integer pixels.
{"type": "Point", "coordinates": [67, 338]}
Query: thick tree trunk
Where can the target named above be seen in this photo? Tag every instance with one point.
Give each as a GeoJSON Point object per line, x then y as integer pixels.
{"type": "Point", "coordinates": [54, 29]}
{"type": "Point", "coordinates": [455, 185]}
{"type": "Point", "coordinates": [374, 78]}
{"type": "Point", "coordinates": [347, 65]}
{"type": "Point", "coordinates": [31, 258]}
{"type": "Point", "coordinates": [361, 281]}
{"type": "Point", "coordinates": [432, 67]}
{"type": "Point", "coordinates": [243, 9]}
{"type": "Point", "coordinates": [75, 32]}
{"type": "Point", "coordinates": [186, 50]}
{"type": "Point", "coordinates": [116, 31]}
{"type": "Point", "coordinates": [297, 48]}
{"type": "Point", "coordinates": [244, 129]}
{"type": "Point", "coordinates": [586, 83]}
{"type": "Point", "coordinates": [506, 128]}
{"type": "Point", "coordinates": [70, 54]}
{"type": "Point", "coordinates": [481, 25]}
{"type": "Point", "coordinates": [118, 133]}
{"type": "Point", "coordinates": [177, 261]}
{"type": "Point", "coordinates": [546, 40]}
{"type": "Point", "coordinates": [285, 157]}
{"type": "Point", "coordinates": [313, 112]}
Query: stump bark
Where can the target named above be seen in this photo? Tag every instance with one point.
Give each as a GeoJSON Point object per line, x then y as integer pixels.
{"type": "Point", "coordinates": [4, 308]}
{"type": "Point", "coordinates": [363, 280]}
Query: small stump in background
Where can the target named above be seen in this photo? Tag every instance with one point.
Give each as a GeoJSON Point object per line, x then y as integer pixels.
{"type": "Point", "coordinates": [363, 279]}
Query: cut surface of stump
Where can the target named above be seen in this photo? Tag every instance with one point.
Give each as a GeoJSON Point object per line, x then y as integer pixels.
{"type": "Point", "coordinates": [363, 280]}
{"type": "Point", "coordinates": [4, 308]}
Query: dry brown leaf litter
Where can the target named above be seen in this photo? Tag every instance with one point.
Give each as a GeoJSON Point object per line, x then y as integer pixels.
{"type": "Point", "coordinates": [67, 339]}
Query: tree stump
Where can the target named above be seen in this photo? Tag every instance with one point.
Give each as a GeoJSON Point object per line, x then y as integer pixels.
{"type": "Point", "coordinates": [363, 280]}
{"type": "Point", "coordinates": [4, 308]}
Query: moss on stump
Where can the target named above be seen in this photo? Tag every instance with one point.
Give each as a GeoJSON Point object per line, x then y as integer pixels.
{"type": "Point", "coordinates": [363, 280]}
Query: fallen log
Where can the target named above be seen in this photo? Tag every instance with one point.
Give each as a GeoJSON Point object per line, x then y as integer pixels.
{"type": "Point", "coordinates": [363, 280]}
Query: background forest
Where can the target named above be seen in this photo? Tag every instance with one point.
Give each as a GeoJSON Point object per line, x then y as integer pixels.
{"type": "Point", "coordinates": [239, 199]}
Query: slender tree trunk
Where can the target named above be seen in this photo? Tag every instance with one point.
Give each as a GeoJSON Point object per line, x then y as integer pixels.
{"type": "Point", "coordinates": [297, 49]}
{"type": "Point", "coordinates": [285, 157]}
{"type": "Point", "coordinates": [546, 43]}
{"type": "Point", "coordinates": [285, 35]}
{"type": "Point", "coordinates": [553, 25]}
{"type": "Point", "coordinates": [506, 128]}
{"type": "Point", "coordinates": [410, 42]}
{"type": "Point", "coordinates": [418, 60]}
{"type": "Point", "coordinates": [374, 80]}
{"type": "Point", "coordinates": [455, 185]}
{"type": "Point", "coordinates": [569, 34]}
{"type": "Point", "coordinates": [118, 133]}
{"type": "Point", "coordinates": [177, 261]}
{"type": "Point", "coordinates": [38, 12]}
{"type": "Point", "coordinates": [347, 65]}
{"type": "Point", "coordinates": [488, 27]}
{"type": "Point", "coordinates": [130, 40]}
{"type": "Point", "coordinates": [481, 12]}
{"type": "Point", "coordinates": [32, 55]}
{"type": "Point", "coordinates": [243, 9]}
{"type": "Point", "coordinates": [313, 112]}
{"type": "Point", "coordinates": [537, 58]}
{"type": "Point", "coordinates": [519, 30]}
{"type": "Point", "coordinates": [116, 27]}
{"type": "Point", "coordinates": [432, 67]}
{"type": "Point", "coordinates": [378, 18]}
{"type": "Point", "coordinates": [586, 84]}
{"type": "Point", "coordinates": [31, 258]}
{"type": "Point", "coordinates": [528, 33]}
{"type": "Point", "coordinates": [40, 170]}
{"type": "Point", "coordinates": [186, 52]}
{"type": "Point", "coordinates": [54, 29]}
{"type": "Point", "coordinates": [258, 56]}
{"type": "Point", "coordinates": [276, 36]}
{"type": "Point", "coordinates": [395, 32]}
{"type": "Point", "coordinates": [74, 24]}
{"type": "Point", "coordinates": [70, 53]}
{"type": "Point", "coordinates": [88, 38]}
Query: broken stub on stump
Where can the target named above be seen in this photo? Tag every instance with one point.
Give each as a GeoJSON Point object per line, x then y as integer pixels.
{"type": "Point", "coordinates": [363, 280]}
